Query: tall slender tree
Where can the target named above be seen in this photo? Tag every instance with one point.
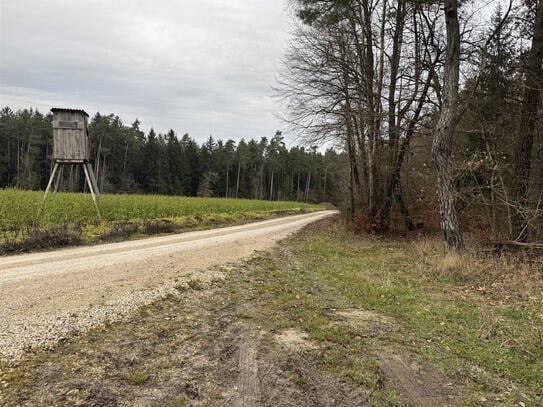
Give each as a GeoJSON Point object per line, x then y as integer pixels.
{"type": "Point", "coordinates": [531, 104]}
{"type": "Point", "coordinates": [444, 134]}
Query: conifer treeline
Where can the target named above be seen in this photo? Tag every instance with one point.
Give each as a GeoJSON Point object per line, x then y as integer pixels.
{"type": "Point", "coordinates": [126, 160]}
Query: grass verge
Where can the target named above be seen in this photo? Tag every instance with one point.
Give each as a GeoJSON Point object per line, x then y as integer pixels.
{"type": "Point", "coordinates": [478, 320]}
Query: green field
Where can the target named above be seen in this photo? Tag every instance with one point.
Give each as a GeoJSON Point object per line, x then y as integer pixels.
{"type": "Point", "coordinates": [23, 215]}
{"type": "Point", "coordinates": [19, 208]}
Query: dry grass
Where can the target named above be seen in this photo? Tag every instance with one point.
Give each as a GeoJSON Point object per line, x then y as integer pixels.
{"type": "Point", "coordinates": [506, 276]}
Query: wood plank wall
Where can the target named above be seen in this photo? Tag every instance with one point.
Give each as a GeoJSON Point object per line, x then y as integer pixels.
{"type": "Point", "coordinates": [70, 140]}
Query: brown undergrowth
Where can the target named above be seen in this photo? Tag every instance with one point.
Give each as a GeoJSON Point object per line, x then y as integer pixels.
{"type": "Point", "coordinates": [501, 276]}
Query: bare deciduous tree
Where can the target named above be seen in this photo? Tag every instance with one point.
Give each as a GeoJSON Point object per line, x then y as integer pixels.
{"type": "Point", "coordinates": [362, 72]}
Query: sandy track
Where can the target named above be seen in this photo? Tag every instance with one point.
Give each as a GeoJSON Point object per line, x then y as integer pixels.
{"type": "Point", "coordinates": [44, 296]}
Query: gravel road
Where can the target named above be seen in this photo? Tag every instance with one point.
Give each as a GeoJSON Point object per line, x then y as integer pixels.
{"type": "Point", "coordinates": [45, 296]}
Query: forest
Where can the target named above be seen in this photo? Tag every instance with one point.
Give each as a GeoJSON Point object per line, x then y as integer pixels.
{"type": "Point", "coordinates": [437, 105]}
{"type": "Point", "coordinates": [126, 160]}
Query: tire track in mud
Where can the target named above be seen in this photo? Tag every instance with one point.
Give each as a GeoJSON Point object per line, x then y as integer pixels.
{"type": "Point", "coordinates": [248, 394]}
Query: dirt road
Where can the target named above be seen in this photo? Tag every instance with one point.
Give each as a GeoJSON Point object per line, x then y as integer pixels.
{"type": "Point", "coordinates": [44, 296]}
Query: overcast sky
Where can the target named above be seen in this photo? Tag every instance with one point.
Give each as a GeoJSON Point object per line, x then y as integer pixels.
{"type": "Point", "coordinates": [197, 66]}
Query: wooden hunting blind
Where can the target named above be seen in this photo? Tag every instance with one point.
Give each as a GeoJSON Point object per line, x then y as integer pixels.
{"type": "Point", "coordinates": [70, 137]}
{"type": "Point", "coordinates": [71, 146]}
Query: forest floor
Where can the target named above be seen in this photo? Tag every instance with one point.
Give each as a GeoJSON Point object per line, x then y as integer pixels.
{"type": "Point", "coordinates": [326, 318]}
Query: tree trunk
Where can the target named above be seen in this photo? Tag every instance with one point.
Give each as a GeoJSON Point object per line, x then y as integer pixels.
{"type": "Point", "coordinates": [237, 179]}
{"type": "Point", "coordinates": [292, 197]}
{"type": "Point", "coordinates": [307, 187]}
{"type": "Point", "coordinates": [260, 180]}
{"type": "Point", "coordinates": [18, 172]}
{"type": "Point", "coordinates": [349, 125]}
{"type": "Point", "coordinates": [528, 129]}
{"type": "Point", "coordinates": [351, 151]}
{"type": "Point", "coordinates": [351, 194]}
{"type": "Point", "coordinates": [298, 189]}
{"type": "Point", "coordinates": [227, 179]}
{"type": "Point", "coordinates": [395, 179]}
{"type": "Point", "coordinates": [408, 221]}
{"type": "Point", "coordinates": [9, 176]}
{"type": "Point", "coordinates": [271, 186]}
{"type": "Point", "coordinates": [325, 178]}
{"type": "Point", "coordinates": [444, 133]}
{"type": "Point", "coordinates": [27, 165]}
{"type": "Point", "coordinates": [125, 158]}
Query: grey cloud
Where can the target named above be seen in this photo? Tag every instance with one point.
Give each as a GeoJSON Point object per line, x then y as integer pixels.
{"type": "Point", "coordinates": [195, 66]}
